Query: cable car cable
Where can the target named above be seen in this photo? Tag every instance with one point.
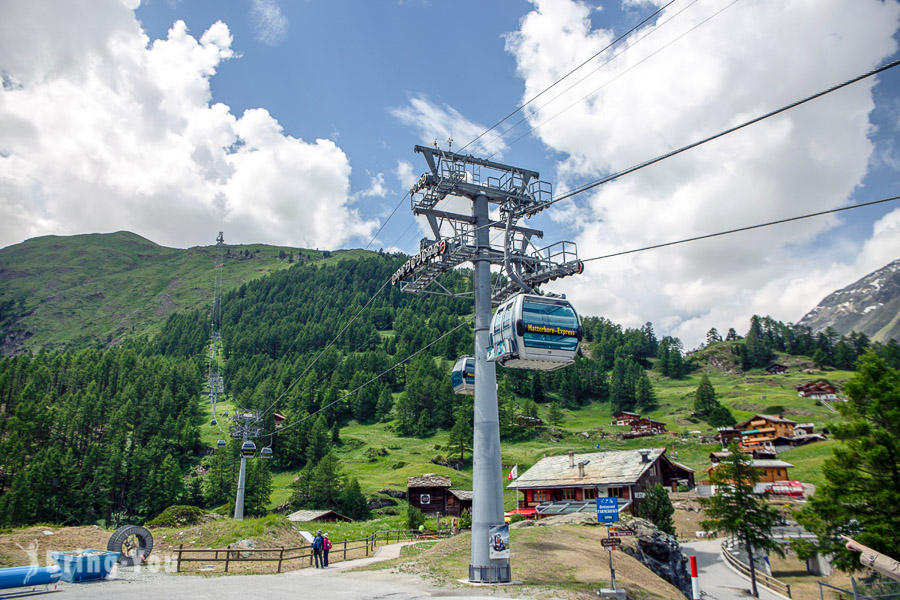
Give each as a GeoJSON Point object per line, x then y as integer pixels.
{"type": "Point", "coordinates": [740, 229]}
{"type": "Point", "coordinates": [548, 88]}
{"type": "Point", "coordinates": [467, 320]}
{"type": "Point", "coordinates": [637, 64]}
{"type": "Point", "coordinates": [670, 154]}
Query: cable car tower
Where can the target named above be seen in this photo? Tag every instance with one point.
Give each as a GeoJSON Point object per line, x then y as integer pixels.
{"type": "Point", "coordinates": [214, 378]}
{"type": "Point", "coordinates": [518, 194]}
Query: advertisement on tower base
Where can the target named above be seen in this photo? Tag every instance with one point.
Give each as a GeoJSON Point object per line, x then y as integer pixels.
{"type": "Point", "coordinates": [499, 541]}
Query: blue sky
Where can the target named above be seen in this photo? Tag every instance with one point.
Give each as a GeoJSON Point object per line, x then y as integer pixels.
{"type": "Point", "coordinates": [293, 123]}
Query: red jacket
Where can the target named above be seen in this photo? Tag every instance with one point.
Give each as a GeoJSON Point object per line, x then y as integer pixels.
{"type": "Point", "coordinates": [327, 545]}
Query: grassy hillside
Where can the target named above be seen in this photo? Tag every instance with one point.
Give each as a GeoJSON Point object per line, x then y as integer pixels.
{"type": "Point", "coordinates": [94, 290]}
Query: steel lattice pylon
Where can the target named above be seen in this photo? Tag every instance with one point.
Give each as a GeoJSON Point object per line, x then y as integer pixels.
{"type": "Point", "coordinates": [460, 238]}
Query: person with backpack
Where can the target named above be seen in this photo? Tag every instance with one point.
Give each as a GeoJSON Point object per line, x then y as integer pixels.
{"type": "Point", "coordinates": [326, 546]}
{"type": "Point", "coordinates": [317, 547]}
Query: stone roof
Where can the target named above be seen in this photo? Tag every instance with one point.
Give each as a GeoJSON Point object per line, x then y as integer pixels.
{"type": "Point", "coordinates": [302, 516]}
{"type": "Point", "coordinates": [770, 418]}
{"type": "Point", "coordinates": [462, 494]}
{"type": "Point", "coordinates": [429, 480]}
{"type": "Point", "coordinates": [602, 468]}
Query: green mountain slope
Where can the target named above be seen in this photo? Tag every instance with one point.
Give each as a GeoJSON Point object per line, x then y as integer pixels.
{"type": "Point", "coordinates": [95, 290]}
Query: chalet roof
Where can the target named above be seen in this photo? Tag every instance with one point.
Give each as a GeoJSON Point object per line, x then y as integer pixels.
{"type": "Point", "coordinates": [601, 468]}
{"type": "Point", "coordinates": [462, 494]}
{"type": "Point", "coordinates": [760, 463]}
{"type": "Point", "coordinates": [314, 515]}
{"type": "Point", "coordinates": [770, 418]}
{"type": "Point", "coordinates": [429, 480]}
{"type": "Point", "coordinates": [625, 412]}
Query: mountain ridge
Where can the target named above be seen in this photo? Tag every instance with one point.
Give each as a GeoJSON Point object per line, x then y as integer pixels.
{"type": "Point", "coordinates": [870, 305]}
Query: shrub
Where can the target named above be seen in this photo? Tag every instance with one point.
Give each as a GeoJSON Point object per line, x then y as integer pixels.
{"type": "Point", "coordinates": [515, 518]}
{"type": "Point", "coordinates": [414, 517]}
{"type": "Point", "coordinates": [465, 520]}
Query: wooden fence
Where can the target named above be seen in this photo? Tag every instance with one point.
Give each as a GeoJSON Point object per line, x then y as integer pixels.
{"type": "Point", "coordinates": [762, 578]}
{"type": "Point", "coordinates": [280, 555]}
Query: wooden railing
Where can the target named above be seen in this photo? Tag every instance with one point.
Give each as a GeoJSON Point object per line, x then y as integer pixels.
{"type": "Point", "coordinates": [762, 578]}
{"type": "Point", "coordinates": [369, 543]}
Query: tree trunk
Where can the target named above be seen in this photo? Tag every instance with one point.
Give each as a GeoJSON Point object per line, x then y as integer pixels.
{"type": "Point", "coordinates": [753, 590]}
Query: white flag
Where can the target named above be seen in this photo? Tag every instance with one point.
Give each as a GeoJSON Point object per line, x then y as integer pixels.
{"type": "Point", "coordinates": [514, 473]}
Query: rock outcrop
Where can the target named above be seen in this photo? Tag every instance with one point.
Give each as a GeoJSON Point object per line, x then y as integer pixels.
{"type": "Point", "coordinates": [660, 552]}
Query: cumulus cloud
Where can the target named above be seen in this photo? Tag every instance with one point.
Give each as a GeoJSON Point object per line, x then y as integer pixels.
{"type": "Point", "coordinates": [269, 24]}
{"type": "Point", "coordinates": [720, 66]}
{"type": "Point", "coordinates": [102, 130]}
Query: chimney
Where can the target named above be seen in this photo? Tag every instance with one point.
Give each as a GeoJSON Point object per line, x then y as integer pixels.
{"type": "Point", "coordinates": [645, 455]}
{"type": "Point", "coordinates": [581, 469]}
{"type": "Point", "coordinates": [571, 458]}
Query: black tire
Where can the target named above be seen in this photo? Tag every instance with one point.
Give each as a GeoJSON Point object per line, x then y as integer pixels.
{"type": "Point", "coordinates": [133, 543]}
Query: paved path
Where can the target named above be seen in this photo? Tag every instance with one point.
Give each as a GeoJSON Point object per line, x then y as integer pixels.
{"type": "Point", "coordinates": [333, 583]}
{"type": "Point", "coordinates": [717, 580]}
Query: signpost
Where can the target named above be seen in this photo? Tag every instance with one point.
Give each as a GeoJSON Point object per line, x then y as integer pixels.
{"type": "Point", "coordinates": [607, 510]}
{"type": "Point", "coordinates": [611, 544]}
{"type": "Point", "coordinates": [617, 534]}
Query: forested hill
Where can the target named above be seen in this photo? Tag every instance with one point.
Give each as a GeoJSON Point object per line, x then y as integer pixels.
{"type": "Point", "coordinates": [95, 290]}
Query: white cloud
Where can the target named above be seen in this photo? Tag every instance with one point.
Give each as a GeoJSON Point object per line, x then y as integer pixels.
{"type": "Point", "coordinates": [105, 131]}
{"type": "Point", "coordinates": [269, 24]}
{"type": "Point", "coordinates": [747, 60]}
{"type": "Point", "coordinates": [442, 123]}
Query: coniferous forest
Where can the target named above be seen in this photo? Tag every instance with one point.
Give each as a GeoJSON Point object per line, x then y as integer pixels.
{"type": "Point", "coordinates": [109, 436]}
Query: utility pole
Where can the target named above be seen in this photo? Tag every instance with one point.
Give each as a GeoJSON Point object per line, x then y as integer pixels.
{"type": "Point", "coordinates": [460, 238]}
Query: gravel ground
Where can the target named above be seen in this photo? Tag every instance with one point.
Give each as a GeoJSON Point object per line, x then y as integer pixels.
{"type": "Point", "coordinates": [334, 583]}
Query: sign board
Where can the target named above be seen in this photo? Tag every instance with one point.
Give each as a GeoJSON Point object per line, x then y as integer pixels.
{"type": "Point", "coordinates": [498, 541]}
{"type": "Point", "coordinates": [607, 510]}
{"type": "Point", "coordinates": [621, 533]}
{"type": "Point", "coordinates": [639, 495]}
{"type": "Point", "coordinates": [610, 542]}
{"type": "Point", "coordinates": [307, 536]}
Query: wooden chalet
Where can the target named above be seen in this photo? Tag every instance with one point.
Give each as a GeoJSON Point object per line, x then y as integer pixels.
{"type": "Point", "coordinates": [644, 424]}
{"type": "Point", "coordinates": [431, 494]}
{"type": "Point", "coordinates": [776, 369]}
{"type": "Point", "coordinates": [567, 484]}
{"type": "Point", "coordinates": [726, 435]}
{"type": "Point", "coordinates": [762, 430]}
{"type": "Point", "coordinates": [623, 418]}
{"type": "Point", "coordinates": [770, 471]}
{"type": "Point", "coordinates": [819, 390]}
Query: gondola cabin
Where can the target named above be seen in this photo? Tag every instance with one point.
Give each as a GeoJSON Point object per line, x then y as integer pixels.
{"type": "Point", "coordinates": [214, 422]}
{"type": "Point", "coordinates": [220, 443]}
{"type": "Point", "coordinates": [265, 452]}
{"type": "Point", "coordinates": [462, 377]}
{"type": "Point", "coordinates": [248, 448]}
{"type": "Point", "coordinates": [534, 332]}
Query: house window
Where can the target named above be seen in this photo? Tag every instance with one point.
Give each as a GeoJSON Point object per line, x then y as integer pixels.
{"type": "Point", "coordinates": [539, 495]}
{"type": "Point", "coordinates": [590, 493]}
{"type": "Point", "coordinates": [653, 471]}
{"type": "Point", "coordinates": [425, 499]}
{"type": "Point", "coordinates": [568, 494]}
{"type": "Point", "coordinates": [615, 492]}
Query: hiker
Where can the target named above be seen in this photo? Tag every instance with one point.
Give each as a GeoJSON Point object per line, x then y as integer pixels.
{"type": "Point", "coordinates": [317, 545]}
{"type": "Point", "coordinates": [326, 546]}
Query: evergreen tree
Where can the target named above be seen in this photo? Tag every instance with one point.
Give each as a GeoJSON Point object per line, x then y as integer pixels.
{"type": "Point", "coordinates": [738, 511]}
{"type": "Point", "coordinates": [732, 335]}
{"type": "Point", "coordinates": [414, 518]}
{"type": "Point", "coordinates": [705, 397]}
{"type": "Point", "coordinates": [712, 336]}
{"type": "Point", "coordinates": [554, 414]}
{"type": "Point", "coordinates": [385, 405]}
{"type": "Point", "coordinates": [720, 416]}
{"type": "Point", "coordinates": [461, 434]}
{"type": "Point", "coordinates": [218, 486]}
{"type": "Point", "coordinates": [353, 502]}
{"type": "Point", "coordinates": [657, 508]}
{"type": "Point", "coordinates": [258, 487]}
{"type": "Point", "coordinates": [646, 397]}
{"type": "Point", "coordinates": [861, 494]}
{"type": "Point", "coordinates": [318, 441]}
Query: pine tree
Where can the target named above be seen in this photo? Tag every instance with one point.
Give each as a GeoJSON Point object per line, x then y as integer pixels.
{"type": "Point", "coordinates": [353, 502]}
{"type": "Point", "coordinates": [712, 336]}
{"type": "Point", "coordinates": [705, 397]}
{"type": "Point", "coordinates": [861, 494]}
{"type": "Point", "coordinates": [732, 335]}
{"type": "Point", "coordinates": [657, 508]}
{"type": "Point", "coordinates": [555, 414]}
{"type": "Point", "coordinates": [738, 511]}
{"type": "Point", "coordinates": [461, 434]}
{"type": "Point", "coordinates": [646, 397]}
